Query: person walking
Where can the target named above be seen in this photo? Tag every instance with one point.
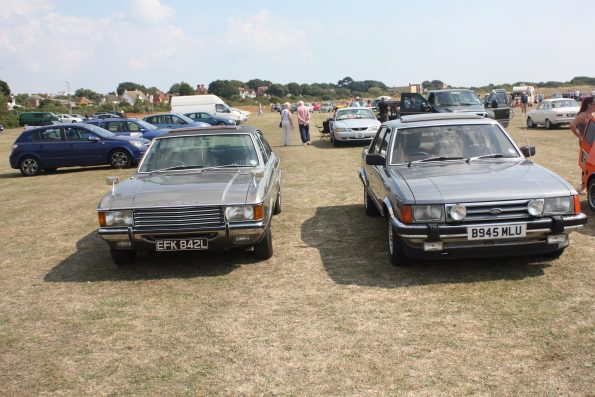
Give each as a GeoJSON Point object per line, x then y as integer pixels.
{"type": "Point", "coordinates": [286, 123]}
{"type": "Point", "coordinates": [577, 126]}
{"type": "Point", "coordinates": [383, 109]}
{"type": "Point", "coordinates": [260, 112]}
{"type": "Point", "coordinates": [303, 115]}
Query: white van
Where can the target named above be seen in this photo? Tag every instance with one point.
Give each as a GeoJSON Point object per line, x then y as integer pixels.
{"type": "Point", "coordinates": [205, 103]}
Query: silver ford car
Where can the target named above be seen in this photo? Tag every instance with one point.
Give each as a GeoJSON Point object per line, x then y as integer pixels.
{"type": "Point", "coordinates": [455, 185]}
{"type": "Point", "coordinates": [195, 189]}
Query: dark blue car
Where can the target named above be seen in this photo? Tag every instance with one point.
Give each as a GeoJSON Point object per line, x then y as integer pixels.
{"type": "Point", "coordinates": [131, 127]}
{"type": "Point", "coordinates": [210, 119]}
{"type": "Point", "coordinates": [173, 120]}
{"type": "Point", "coordinates": [70, 145]}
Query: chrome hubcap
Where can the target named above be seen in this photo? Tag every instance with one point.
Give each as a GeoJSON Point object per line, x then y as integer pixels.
{"type": "Point", "coordinates": [30, 166]}
{"type": "Point", "coordinates": [119, 159]}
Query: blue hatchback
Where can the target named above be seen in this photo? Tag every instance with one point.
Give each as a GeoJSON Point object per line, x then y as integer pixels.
{"type": "Point", "coordinates": [210, 119]}
{"type": "Point", "coordinates": [70, 145]}
{"type": "Point", "coordinates": [134, 128]}
{"type": "Point", "coordinates": [173, 120]}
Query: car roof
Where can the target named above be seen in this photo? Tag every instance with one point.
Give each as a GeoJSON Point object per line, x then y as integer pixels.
{"type": "Point", "coordinates": [115, 119]}
{"type": "Point", "coordinates": [417, 120]}
{"type": "Point", "coordinates": [353, 108]}
{"type": "Point", "coordinates": [558, 99]}
{"type": "Point", "coordinates": [223, 129]}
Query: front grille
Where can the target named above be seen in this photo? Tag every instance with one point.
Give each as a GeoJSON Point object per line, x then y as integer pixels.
{"type": "Point", "coordinates": [360, 128]}
{"type": "Point", "coordinates": [178, 218]}
{"type": "Point", "coordinates": [493, 211]}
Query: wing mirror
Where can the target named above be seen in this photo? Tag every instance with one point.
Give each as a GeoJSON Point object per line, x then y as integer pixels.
{"type": "Point", "coordinates": [375, 159]}
{"type": "Point", "coordinates": [528, 151]}
{"type": "Point", "coordinates": [94, 138]}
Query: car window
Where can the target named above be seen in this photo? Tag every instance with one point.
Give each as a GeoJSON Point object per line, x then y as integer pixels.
{"type": "Point", "coordinates": [590, 133]}
{"type": "Point", "coordinates": [73, 134]}
{"type": "Point", "coordinates": [133, 127]}
{"type": "Point", "coordinates": [114, 126]}
{"type": "Point", "coordinates": [152, 120]}
{"type": "Point", "coordinates": [378, 140]}
{"type": "Point", "coordinates": [47, 135]}
{"type": "Point", "coordinates": [384, 143]}
{"type": "Point", "coordinates": [464, 141]}
{"type": "Point", "coordinates": [201, 151]}
{"type": "Point", "coordinates": [264, 146]}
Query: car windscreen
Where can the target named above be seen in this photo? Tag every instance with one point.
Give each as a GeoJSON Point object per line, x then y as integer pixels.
{"type": "Point", "coordinates": [569, 103]}
{"type": "Point", "coordinates": [100, 131]}
{"type": "Point", "coordinates": [457, 98]}
{"type": "Point", "coordinates": [200, 151]}
{"type": "Point", "coordinates": [355, 114]}
{"type": "Point", "coordinates": [451, 142]}
{"type": "Point", "coordinates": [145, 125]}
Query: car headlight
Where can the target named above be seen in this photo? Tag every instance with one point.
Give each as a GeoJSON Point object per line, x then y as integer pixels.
{"type": "Point", "coordinates": [458, 212]}
{"type": "Point", "coordinates": [115, 218]}
{"type": "Point", "coordinates": [558, 205]}
{"type": "Point", "coordinates": [138, 144]}
{"type": "Point", "coordinates": [343, 129]}
{"type": "Point", "coordinates": [239, 213]}
{"type": "Point", "coordinates": [535, 207]}
{"type": "Point", "coordinates": [428, 213]}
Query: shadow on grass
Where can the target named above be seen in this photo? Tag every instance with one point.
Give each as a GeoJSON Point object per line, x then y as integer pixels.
{"type": "Point", "coordinates": [73, 170]}
{"type": "Point", "coordinates": [354, 251]}
{"type": "Point", "coordinates": [92, 262]}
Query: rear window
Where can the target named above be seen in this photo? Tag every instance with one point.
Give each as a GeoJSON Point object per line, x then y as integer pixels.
{"type": "Point", "coordinates": [48, 135]}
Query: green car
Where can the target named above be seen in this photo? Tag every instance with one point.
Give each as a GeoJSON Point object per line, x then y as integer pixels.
{"type": "Point", "coordinates": [37, 118]}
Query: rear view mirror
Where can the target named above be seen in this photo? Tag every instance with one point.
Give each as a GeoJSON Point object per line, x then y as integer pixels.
{"type": "Point", "coordinates": [375, 159]}
{"type": "Point", "coordinates": [528, 151]}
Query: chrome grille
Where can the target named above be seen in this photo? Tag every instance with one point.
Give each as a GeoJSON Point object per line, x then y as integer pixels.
{"type": "Point", "coordinates": [178, 218]}
{"type": "Point", "coordinates": [493, 211]}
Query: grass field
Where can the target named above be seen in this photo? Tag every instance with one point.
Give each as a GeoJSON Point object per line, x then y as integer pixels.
{"type": "Point", "coordinates": [326, 316]}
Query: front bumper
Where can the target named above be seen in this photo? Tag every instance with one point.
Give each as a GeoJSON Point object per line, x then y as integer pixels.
{"type": "Point", "coordinates": [230, 236]}
{"type": "Point", "coordinates": [561, 120]}
{"type": "Point", "coordinates": [544, 235]}
{"type": "Point", "coordinates": [355, 135]}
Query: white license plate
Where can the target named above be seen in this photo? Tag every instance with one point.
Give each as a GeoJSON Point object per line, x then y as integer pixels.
{"type": "Point", "coordinates": [496, 232]}
{"type": "Point", "coordinates": [182, 245]}
{"type": "Point", "coordinates": [360, 135]}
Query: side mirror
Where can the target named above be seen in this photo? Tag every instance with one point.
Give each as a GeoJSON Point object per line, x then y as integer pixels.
{"type": "Point", "coordinates": [528, 151]}
{"type": "Point", "coordinates": [426, 107]}
{"type": "Point", "coordinates": [94, 138]}
{"type": "Point", "coordinates": [375, 159]}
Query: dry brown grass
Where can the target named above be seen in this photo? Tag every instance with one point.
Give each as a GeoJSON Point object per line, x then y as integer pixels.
{"type": "Point", "coordinates": [327, 315]}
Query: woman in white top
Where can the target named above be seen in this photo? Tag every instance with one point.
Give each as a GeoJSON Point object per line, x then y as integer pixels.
{"type": "Point", "coordinates": [286, 123]}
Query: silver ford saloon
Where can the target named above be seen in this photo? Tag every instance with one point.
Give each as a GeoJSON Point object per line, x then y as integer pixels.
{"type": "Point", "coordinates": [195, 189]}
{"type": "Point", "coordinates": [455, 185]}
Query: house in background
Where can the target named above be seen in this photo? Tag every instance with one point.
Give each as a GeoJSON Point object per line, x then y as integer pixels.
{"type": "Point", "coordinates": [160, 97]}
{"type": "Point", "coordinates": [133, 96]}
{"type": "Point", "coordinates": [83, 101]}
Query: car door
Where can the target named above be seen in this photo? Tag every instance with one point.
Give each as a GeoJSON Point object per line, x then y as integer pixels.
{"type": "Point", "coordinates": [376, 173]}
{"type": "Point", "coordinates": [51, 147]}
{"type": "Point", "coordinates": [413, 103]}
{"type": "Point", "coordinates": [539, 115]}
{"type": "Point", "coordinates": [272, 167]}
{"type": "Point", "coordinates": [498, 102]}
{"type": "Point", "coordinates": [85, 147]}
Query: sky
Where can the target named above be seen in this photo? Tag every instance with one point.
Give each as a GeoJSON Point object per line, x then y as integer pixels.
{"type": "Point", "coordinates": [45, 44]}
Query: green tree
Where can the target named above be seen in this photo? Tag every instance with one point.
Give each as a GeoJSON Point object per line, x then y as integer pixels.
{"type": "Point", "coordinates": [345, 82]}
{"type": "Point", "coordinates": [90, 94]}
{"type": "Point", "coordinates": [255, 83]}
{"type": "Point", "coordinates": [279, 90]}
{"type": "Point", "coordinates": [174, 89]}
{"type": "Point", "coordinates": [186, 89]}
{"type": "Point", "coordinates": [4, 88]}
{"type": "Point", "coordinates": [294, 89]}
{"type": "Point", "coordinates": [223, 88]}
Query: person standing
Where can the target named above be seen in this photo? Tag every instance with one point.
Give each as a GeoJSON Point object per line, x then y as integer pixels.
{"type": "Point", "coordinates": [260, 112]}
{"type": "Point", "coordinates": [286, 123]}
{"type": "Point", "coordinates": [577, 126]}
{"type": "Point", "coordinates": [383, 109]}
{"type": "Point", "coordinates": [303, 115]}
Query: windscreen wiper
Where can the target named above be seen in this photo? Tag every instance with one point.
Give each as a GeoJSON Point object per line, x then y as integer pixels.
{"type": "Point", "coordinates": [437, 158]}
{"type": "Point", "coordinates": [490, 156]}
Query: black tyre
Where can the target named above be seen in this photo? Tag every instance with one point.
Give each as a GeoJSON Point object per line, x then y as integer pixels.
{"type": "Point", "coordinates": [264, 249]}
{"type": "Point", "coordinates": [548, 124]}
{"type": "Point", "coordinates": [277, 208]}
{"type": "Point", "coordinates": [123, 258]}
{"type": "Point", "coordinates": [221, 123]}
{"type": "Point", "coordinates": [591, 194]}
{"type": "Point", "coordinates": [371, 209]}
{"type": "Point", "coordinates": [395, 248]}
{"type": "Point", "coordinates": [119, 159]}
{"type": "Point", "coordinates": [30, 166]}
{"type": "Point", "coordinates": [530, 123]}
{"type": "Point", "coordinates": [334, 141]}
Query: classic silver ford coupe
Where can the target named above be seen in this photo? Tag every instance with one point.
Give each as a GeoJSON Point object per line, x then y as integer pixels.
{"type": "Point", "coordinates": [195, 189]}
{"type": "Point", "coordinates": [455, 185]}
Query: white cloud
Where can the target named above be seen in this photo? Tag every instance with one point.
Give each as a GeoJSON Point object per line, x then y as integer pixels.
{"type": "Point", "coordinates": [151, 10]}
{"type": "Point", "coordinates": [19, 8]}
{"type": "Point", "coordinates": [267, 36]}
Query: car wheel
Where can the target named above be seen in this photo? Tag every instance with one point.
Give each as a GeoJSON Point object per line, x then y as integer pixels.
{"type": "Point", "coordinates": [221, 123]}
{"type": "Point", "coordinates": [591, 194]}
{"type": "Point", "coordinates": [548, 124]}
{"type": "Point", "coordinates": [371, 209]}
{"type": "Point", "coordinates": [123, 258]}
{"type": "Point", "coordinates": [395, 248]}
{"type": "Point", "coordinates": [530, 123]}
{"type": "Point", "coordinates": [334, 141]}
{"type": "Point", "coordinates": [264, 249]}
{"type": "Point", "coordinates": [277, 207]}
{"type": "Point", "coordinates": [119, 159]}
{"type": "Point", "coordinates": [30, 166]}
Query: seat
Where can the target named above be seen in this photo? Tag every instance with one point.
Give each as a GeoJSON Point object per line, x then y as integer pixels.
{"type": "Point", "coordinates": [324, 131]}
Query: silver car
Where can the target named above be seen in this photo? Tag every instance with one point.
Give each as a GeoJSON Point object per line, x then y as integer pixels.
{"type": "Point", "coordinates": [454, 185]}
{"type": "Point", "coordinates": [353, 124]}
{"type": "Point", "coordinates": [195, 189]}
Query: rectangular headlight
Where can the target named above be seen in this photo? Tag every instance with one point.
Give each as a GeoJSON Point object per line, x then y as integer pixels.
{"type": "Point", "coordinates": [558, 205]}
{"type": "Point", "coordinates": [428, 213]}
{"type": "Point", "coordinates": [240, 213]}
{"type": "Point", "coordinates": [115, 218]}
